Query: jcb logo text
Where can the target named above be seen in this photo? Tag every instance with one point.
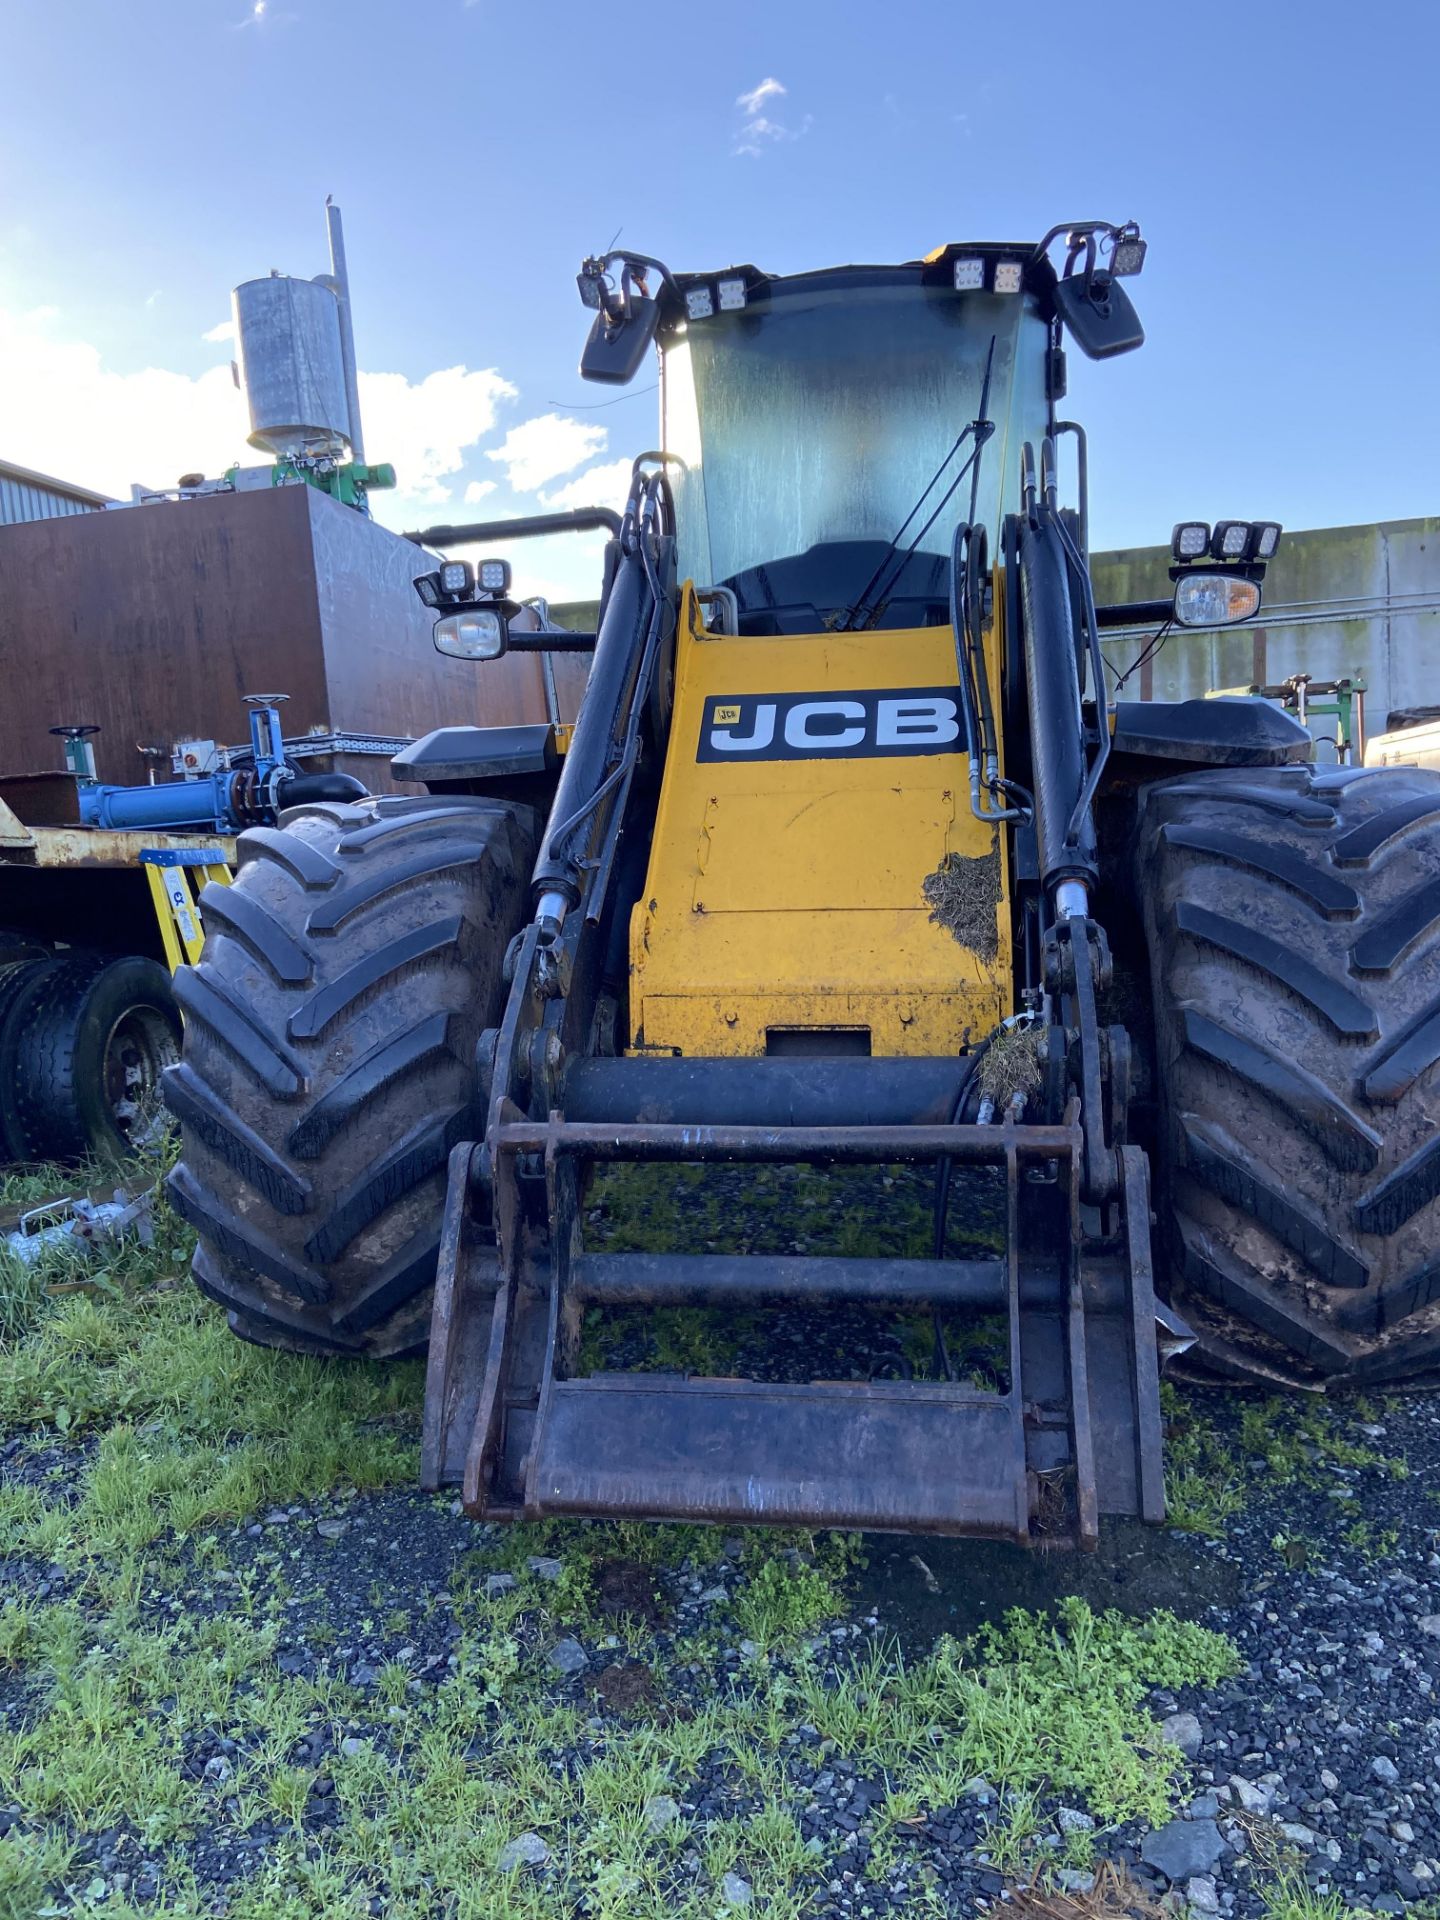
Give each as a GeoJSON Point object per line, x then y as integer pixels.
{"type": "Point", "coordinates": [833, 726]}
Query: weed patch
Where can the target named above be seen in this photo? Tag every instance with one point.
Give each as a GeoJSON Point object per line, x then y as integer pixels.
{"type": "Point", "coordinates": [1212, 1470]}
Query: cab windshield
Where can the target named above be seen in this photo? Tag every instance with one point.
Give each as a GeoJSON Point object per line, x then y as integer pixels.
{"type": "Point", "coordinates": [810, 426]}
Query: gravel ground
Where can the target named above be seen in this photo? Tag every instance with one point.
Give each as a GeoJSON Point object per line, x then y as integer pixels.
{"type": "Point", "coordinates": [1324, 1753]}
{"type": "Point", "coordinates": [365, 1685]}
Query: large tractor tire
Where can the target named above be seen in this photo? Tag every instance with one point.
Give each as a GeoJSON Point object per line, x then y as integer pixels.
{"type": "Point", "coordinates": [1293, 918]}
{"type": "Point", "coordinates": [84, 1042]}
{"type": "Point", "coordinates": [329, 1060]}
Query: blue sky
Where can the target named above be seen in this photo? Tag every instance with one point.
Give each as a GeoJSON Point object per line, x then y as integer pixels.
{"type": "Point", "coordinates": [1280, 159]}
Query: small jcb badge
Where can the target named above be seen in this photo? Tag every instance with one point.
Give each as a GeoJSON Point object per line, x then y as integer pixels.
{"type": "Point", "coordinates": [851, 725]}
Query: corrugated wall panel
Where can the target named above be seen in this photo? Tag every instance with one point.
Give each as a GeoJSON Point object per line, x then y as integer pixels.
{"type": "Point", "coordinates": [20, 501]}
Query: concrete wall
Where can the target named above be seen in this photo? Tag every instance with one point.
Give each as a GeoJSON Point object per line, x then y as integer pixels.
{"type": "Point", "coordinates": [1356, 601]}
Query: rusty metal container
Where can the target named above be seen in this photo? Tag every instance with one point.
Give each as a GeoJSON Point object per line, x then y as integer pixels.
{"type": "Point", "coordinates": [153, 622]}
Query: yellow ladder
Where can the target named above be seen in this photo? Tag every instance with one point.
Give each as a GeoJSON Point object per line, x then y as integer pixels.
{"type": "Point", "coordinates": [176, 875]}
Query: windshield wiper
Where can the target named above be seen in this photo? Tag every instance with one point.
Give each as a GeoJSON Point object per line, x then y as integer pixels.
{"type": "Point", "coordinates": [980, 431]}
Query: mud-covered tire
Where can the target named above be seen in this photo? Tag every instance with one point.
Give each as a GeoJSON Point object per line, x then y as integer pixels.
{"type": "Point", "coordinates": [1293, 921]}
{"type": "Point", "coordinates": [330, 1060]}
{"type": "Point", "coordinates": [84, 1044]}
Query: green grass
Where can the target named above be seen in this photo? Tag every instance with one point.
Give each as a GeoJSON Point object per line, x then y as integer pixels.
{"type": "Point", "coordinates": [170, 1432]}
{"type": "Point", "coordinates": [1211, 1469]}
{"type": "Point", "coordinates": [787, 1599]}
{"type": "Point", "coordinates": [186, 1425]}
{"type": "Point", "coordinates": [860, 1211]}
{"type": "Point", "coordinates": [29, 1184]}
{"type": "Point", "coordinates": [447, 1776]}
{"type": "Point", "coordinates": [1288, 1896]}
{"type": "Point", "coordinates": [1037, 1702]}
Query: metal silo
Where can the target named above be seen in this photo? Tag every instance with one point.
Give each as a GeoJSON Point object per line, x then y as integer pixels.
{"type": "Point", "coordinates": [297, 359]}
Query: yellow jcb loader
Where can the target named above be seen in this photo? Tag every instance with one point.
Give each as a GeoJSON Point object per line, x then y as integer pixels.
{"type": "Point", "coordinates": [849, 815]}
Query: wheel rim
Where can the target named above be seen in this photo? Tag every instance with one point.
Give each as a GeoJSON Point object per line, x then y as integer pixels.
{"type": "Point", "coordinates": [138, 1048]}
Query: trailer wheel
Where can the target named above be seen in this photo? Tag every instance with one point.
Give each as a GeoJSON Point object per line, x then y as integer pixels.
{"type": "Point", "coordinates": [86, 1042]}
{"type": "Point", "coordinates": [329, 1062]}
{"type": "Point", "coordinates": [1293, 918]}
{"type": "Point", "coordinates": [15, 974]}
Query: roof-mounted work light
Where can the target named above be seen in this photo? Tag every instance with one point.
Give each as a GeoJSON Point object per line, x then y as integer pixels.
{"type": "Point", "coordinates": [1230, 540]}
{"type": "Point", "coordinates": [1127, 256]}
{"type": "Point", "coordinates": [1190, 540]}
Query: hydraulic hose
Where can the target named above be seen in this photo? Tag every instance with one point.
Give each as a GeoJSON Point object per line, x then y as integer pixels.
{"type": "Point", "coordinates": [1097, 671]}
{"type": "Point", "coordinates": [306, 788]}
{"type": "Point", "coordinates": [977, 711]}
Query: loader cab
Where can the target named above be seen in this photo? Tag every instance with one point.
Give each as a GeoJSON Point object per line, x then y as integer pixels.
{"type": "Point", "coordinates": [820, 430]}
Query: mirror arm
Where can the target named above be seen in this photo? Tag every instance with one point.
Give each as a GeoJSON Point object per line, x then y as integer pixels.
{"type": "Point", "coordinates": [1134, 613]}
{"type": "Point", "coordinates": [550, 640]}
{"type": "Point", "coordinates": [643, 260]}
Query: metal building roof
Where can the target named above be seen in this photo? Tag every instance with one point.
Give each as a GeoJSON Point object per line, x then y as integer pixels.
{"type": "Point", "coordinates": [26, 495]}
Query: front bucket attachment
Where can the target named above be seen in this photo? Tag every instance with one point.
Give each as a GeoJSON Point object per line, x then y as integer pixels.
{"type": "Point", "coordinates": [1075, 1434]}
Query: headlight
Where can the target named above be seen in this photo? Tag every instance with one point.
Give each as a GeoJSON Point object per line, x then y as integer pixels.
{"type": "Point", "coordinates": [1212, 599]}
{"type": "Point", "coordinates": [477, 634]}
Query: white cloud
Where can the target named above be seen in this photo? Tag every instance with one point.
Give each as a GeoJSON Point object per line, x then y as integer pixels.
{"type": "Point", "coordinates": [224, 332]}
{"type": "Point", "coordinates": [758, 130]}
{"type": "Point", "coordinates": [264, 16]}
{"type": "Point", "coordinates": [477, 490]}
{"type": "Point", "coordinates": [541, 449]}
{"type": "Point", "coordinates": [424, 428]}
{"type": "Point", "coordinates": [67, 413]}
{"type": "Point", "coordinates": [607, 486]}
{"type": "Point", "coordinates": [751, 103]}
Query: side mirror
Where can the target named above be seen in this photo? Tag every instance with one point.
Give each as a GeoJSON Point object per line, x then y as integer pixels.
{"type": "Point", "coordinates": [476, 633]}
{"type": "Point", "coordinates": [1099, 314]}
{"type": "Point", "coordinates": [1215, 599]}
{"type": "Point", "coordinates": [616, 348]}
